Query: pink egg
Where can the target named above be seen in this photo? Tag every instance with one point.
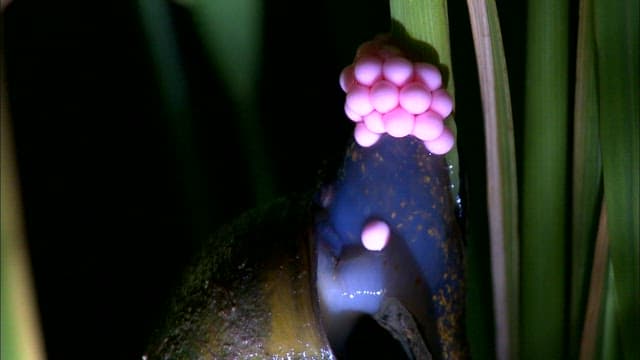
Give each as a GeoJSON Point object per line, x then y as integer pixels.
{"type": "Point", "coordinates": [397, 69]}
{"type": "Point", "coordinates": [428, 75]}
{"type": "Point", "coordinates": [374, 122]}
{"type": "Point", "coordinates": [428, 126]}
{"type": "Point", "coordinates": [415, 97]}
{"type": "Point", "coordinates": [398, 122]}
{"type": "Point", "coordinates": [364, 137]}
{"type": "Point", "coordinates": [384, 96]}
{"type": "Point", "coordinates": [368, 69]}
{"type": "Point", "coordinates": [351, 114]}
{"type": "Point", "coordinates": [347, 78]}
{"type": "Point", "coordinates": [442, 144]}
{"type": "Point", "coordinates": [375, 235]}
{"type": "Point", "coordinates": [441, 103]}
{"type": "Point", "coordinates": [358, 100]}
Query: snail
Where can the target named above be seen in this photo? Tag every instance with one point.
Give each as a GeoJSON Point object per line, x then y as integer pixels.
{"type": "Point", "coordinates": [377, 249]}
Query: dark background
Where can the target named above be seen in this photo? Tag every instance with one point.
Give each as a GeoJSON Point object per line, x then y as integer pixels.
{"type": "Point", "coordinates": [109, 229]}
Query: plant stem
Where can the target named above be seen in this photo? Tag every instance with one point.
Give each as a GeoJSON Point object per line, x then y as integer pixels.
{"type": "Point", "coordinates": [423, 27]}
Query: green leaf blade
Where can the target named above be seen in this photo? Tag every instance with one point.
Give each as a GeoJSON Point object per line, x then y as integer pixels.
{"type": "Point", "coordinates": [544, 198]}
{"type": "Point", "coordinates": [427, 21]}
{"type": "Point", "coordinates": [586, 176]}
{"type": "Point", "coordinates": [617, 31]}
{"type": "Point", "coordinates": [231, 32]}
{"type": "Point", "coordinates": [502, 191]}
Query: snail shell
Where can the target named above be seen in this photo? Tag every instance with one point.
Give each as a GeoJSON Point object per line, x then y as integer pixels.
{"type": "Point", "coordinates": [249, 293]}
{"type": "Point", "coordinates": [255, 290]}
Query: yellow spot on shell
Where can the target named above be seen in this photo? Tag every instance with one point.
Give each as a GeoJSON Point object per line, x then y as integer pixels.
{"type": "Point", "coordinates": [294, 326]}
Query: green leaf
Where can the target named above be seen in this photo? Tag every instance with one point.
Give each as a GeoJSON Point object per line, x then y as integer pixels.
{"type": "Point", "coordinates": [617, 32]}
{"type": "Point", "coordinates": [502, 193]}
{"type": "Point", "coordinates": [423, 26]}
{"type": "Point", "coordinates": [231, 32]}
{"type": "Point", "coordinates": [20, 333]}
{"type": "Point", "coordinates": [586, 177]}
{"type": "Point", "coordinates": [163, 48]}
{"type": "Point", "coordinates": [544, 199]}
{"type": "Point", "coordinates": [609, 342]}
{"type": "Point", "coordinates": [597, 286]}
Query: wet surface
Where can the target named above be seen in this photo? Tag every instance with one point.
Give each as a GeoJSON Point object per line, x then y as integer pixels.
{"type": "Point", "coordinates": [399, 182]}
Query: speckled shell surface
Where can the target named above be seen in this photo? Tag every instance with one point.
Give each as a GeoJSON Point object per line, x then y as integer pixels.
{"type": "Point", "coordinates": [249, 293]}
{"type": "Point", "coordinates": [400, 182]}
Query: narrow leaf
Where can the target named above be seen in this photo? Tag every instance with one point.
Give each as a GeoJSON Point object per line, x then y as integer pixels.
{"type": "Point", "coordinates": [609, 340]}
{"type": "Point", "coordinates": [544, 199]}
{"type": "Point", "coordinates": [157, 25]}
{"type": "Point", "coordinates": [586, 177]}
{"type": "Point", "coordinates": [20, 333]}
{"type": "Point", "coordinates": [502, 203]}
{"type": "Point", "coordinates": [427, 22]}
{"type": "Point", "coordinates": [232, 35]}
{"type": "Point", "coordinates": [589, 341]}
{"type": "Point", "coordinates": [617, 30]}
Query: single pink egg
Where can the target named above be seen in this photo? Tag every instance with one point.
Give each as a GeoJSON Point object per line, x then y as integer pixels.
{"type": "Point", "coordinates": [351, 114]}
{"type": "Point", "coordinates": [375, 235]}
{"type": "Point", "coordinates": [358, 100]}
{"type": "Point", "coordinates": [441, 103]}
{"type": "Point", "coordinates": [397, 69]}
{"type": "Point", "coordinates": [374, 122]}
{"type": "Point", "coordinates": [347, 78]}
{"type": "Point", "coordinates": [364, 137]}
{"type": "Point", "coordinates": [398, 122]}
{"type": "Point", "coordinates": [442, 144]}
{"type": "Point", "coordinates": [428, 75]}
{"type": "Point", "coordinates": [384, 96]}
{"type": "Point", "coordinates": [428, 126]}
{"type": "Point", "coordinates": [415, 98]}
{"type": "Point", "coordinates": [368, 70]}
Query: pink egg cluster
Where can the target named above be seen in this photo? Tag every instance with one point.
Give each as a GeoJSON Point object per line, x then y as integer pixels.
{"type": "Point", "coordinates": [387, 93]}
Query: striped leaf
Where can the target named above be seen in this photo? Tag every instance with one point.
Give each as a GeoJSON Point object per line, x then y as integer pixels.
{"type": "Point", "coordinates": [586, 182]}
{"type": "Point", "coordinates": [617, 33]}
{"type": "Point", "coordinates": [502, 195]}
